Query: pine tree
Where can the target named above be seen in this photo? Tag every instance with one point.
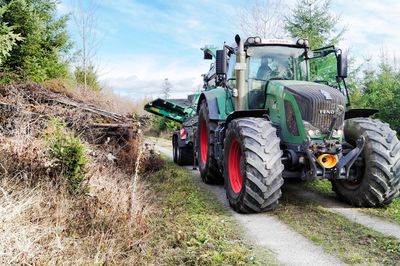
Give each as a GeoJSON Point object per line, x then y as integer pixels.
{"type": "Point", "coordinates": [88, 78]}
{"type": "Point", "coordinates": [41, 54]}
{"type": "Point", "coordinates": [312, 20]}
{"type": "Point", "coordinates": [8, 39]}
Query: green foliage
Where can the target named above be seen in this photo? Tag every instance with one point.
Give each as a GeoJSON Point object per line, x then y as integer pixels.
{"type": "Point", "coordinates": [312, 20]}
{"type": "Point", "coordinates": [69, 154]}
{"type": "Point", "coordinates": [382, 91]}
{"type": "Point", "coordinates": [91, 78]}
{"type": "Point", "coordinates": [8, 39]}
{"type": "Point", "coordinates": [161, 124]}
{"type": "Point", "coordinates": [324, 69]}
{"type": "Point", "coordinates": [40, 55]}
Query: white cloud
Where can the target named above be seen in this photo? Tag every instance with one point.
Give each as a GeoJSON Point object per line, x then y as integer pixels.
{"type": "Point", "coordinates": [140, 76]}
{"type": "Point", "coordinates": [371, 25]}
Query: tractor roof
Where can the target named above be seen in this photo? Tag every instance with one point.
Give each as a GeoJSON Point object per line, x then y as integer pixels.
{"type": "Point", "coordinates": [254, 41]}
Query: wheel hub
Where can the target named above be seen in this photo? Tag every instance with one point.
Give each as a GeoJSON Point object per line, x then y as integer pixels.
{"type": "Point", "coordinates": [235, 175]}
{"type": "Point", "coordinates": [203, 141]}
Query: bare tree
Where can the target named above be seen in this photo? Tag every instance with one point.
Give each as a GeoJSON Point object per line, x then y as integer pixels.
{"type": "Point", "coordinates": [264, 18]}
{"type": "Point", "coordinates": [84, 15]}
{"type": "Point", "coordinates": [166, 88]}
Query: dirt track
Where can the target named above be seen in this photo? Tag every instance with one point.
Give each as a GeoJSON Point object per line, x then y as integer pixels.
{"type": "Point", "coordinates": [266, 231]}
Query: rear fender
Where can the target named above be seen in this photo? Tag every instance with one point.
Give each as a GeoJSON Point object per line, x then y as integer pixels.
{"type": "Point", "coordinates": [218, 105]}
{"type": "Point", "coordinates": [211, 104]}
{"type": "Point", "coordinates": [354, 113]}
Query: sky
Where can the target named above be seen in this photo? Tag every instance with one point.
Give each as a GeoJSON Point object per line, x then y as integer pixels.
{"type": "Point", "coordinates": [142, 42]}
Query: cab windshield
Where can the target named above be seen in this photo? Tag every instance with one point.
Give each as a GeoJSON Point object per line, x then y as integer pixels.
{"type": "Point", "coordinates": [276, 62]}
{"type": "Point", "coordinates": [272, 62]}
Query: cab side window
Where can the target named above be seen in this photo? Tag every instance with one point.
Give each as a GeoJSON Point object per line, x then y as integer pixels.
{"type": "Point", "coordinates": [231, 75]}
{"type": "Point", "coordinates": [231, 67]}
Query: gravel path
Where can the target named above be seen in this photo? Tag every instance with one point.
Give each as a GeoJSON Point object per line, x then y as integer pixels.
{"type": "Point", "coordinates": [289, 247]}
{"type": "Point", "coordinates": [378, 224]}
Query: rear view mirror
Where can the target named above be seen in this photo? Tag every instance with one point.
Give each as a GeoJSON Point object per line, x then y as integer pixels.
{"type": "Point", "coordinates": [342, 65]}
{"type": "Point", "coordinates": [220, 62]}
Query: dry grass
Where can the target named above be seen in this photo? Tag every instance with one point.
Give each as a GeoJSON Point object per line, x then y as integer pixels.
{"type": "Point", "coordinates": [105, 99]}
{"type": "Point", "coordinates": [46, 225]}
{"type": "Point", "coordinates": [41, 223]}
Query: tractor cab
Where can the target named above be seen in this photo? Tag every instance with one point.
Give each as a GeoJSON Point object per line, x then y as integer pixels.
{"type": "Point", "coordinates": [268, 63]}
{"type": "Point", "coordinates": [267, 60]}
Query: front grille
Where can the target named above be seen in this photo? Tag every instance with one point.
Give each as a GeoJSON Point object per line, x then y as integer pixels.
{"type": "Point", "coordinates": [316, 103]}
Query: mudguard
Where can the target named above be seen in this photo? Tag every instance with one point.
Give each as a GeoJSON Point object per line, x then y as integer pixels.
{"type": "Point", "coordinates": [354, 113]}
{"type": "Point", "coordinates": [218, 102]}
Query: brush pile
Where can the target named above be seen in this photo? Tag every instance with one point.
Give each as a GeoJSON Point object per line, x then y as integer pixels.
{"type": "Point", "coordinates": [28, 107]}
{"type": "Point", "coordinates": [70, 162]}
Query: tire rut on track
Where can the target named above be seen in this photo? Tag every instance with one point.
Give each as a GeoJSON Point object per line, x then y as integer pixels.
{"type": "Point", "coordinates": [378, 224]}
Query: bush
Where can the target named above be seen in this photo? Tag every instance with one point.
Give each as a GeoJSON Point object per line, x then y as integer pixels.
{"type": "Point", "coordinates": [163, 125]}
{"type": "Point", "coordinates": [69, 154]}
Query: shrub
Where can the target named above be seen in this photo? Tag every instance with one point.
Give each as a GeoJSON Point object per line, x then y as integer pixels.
{"type": "Point", "coordinates": [69, 154]}
{"type": "Point", "coordinates": [162, 124]}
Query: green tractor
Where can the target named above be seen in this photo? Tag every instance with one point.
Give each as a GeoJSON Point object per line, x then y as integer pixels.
{"type": "Point", "coordinates": [261, 120]}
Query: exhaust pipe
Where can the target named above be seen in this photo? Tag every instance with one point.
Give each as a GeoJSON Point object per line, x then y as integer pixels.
{"type": "Point", "coordinates": [240, 69]}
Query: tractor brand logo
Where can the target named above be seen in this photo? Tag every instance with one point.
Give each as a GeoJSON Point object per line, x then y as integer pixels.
{"type": "Point", "coordinates": [327, 112]}
{"type": "Point", "coordinates": [326, 94]}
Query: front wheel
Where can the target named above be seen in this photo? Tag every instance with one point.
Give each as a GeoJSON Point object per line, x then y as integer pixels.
{"type": "Point", "coordinates": [376, 173]}
{"type": "Point", "coordinates": [252, 165]}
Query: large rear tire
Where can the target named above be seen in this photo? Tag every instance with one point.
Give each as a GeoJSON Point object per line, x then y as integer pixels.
{"type": "Point", "coordinates": [377, 172]}
{"type": "Point", "coordinates": [252, 165]}
{"type": "Point", "coordinates": [181, 155]}
{"type": "Point", "coordinates": [184, 156]}
{"type": "Point", "coordinates": [208, 166]}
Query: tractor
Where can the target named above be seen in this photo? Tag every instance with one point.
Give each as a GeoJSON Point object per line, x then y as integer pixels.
{"type": "Point", "coordinates": [274, 110]}
{"type": "Point", "coordinates": [261, 120]}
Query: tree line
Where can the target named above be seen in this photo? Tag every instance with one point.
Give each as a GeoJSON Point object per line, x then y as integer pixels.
{"type": "Point", "coordinates": [35, 44]}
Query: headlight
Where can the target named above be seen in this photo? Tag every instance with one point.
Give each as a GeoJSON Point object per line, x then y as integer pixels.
{"type": "Point", "coordinates": [312, 131]}
{"type": "Point", "coordinates": [337, 133]}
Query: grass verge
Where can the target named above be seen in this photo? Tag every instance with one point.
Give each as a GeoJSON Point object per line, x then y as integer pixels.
{"type": "Point", "coordinates": [350, 241]}
{"type": "Point", "coordinates": [391, 212]}
{"type": "Point", "coordinates": [190, 228]}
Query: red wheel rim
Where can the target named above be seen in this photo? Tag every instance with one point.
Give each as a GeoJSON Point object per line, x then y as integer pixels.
{"type": "Point", "coordinates": [203, 141]}
{"type": "Point", "coordinates": [235, 176]}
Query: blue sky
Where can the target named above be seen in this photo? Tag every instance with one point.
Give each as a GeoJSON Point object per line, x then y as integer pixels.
{"type": "Point", "coordinates": [144, 42]}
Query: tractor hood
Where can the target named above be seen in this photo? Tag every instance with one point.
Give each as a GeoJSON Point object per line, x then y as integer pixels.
{"type": "Point", "coordinates": [317, 103]}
